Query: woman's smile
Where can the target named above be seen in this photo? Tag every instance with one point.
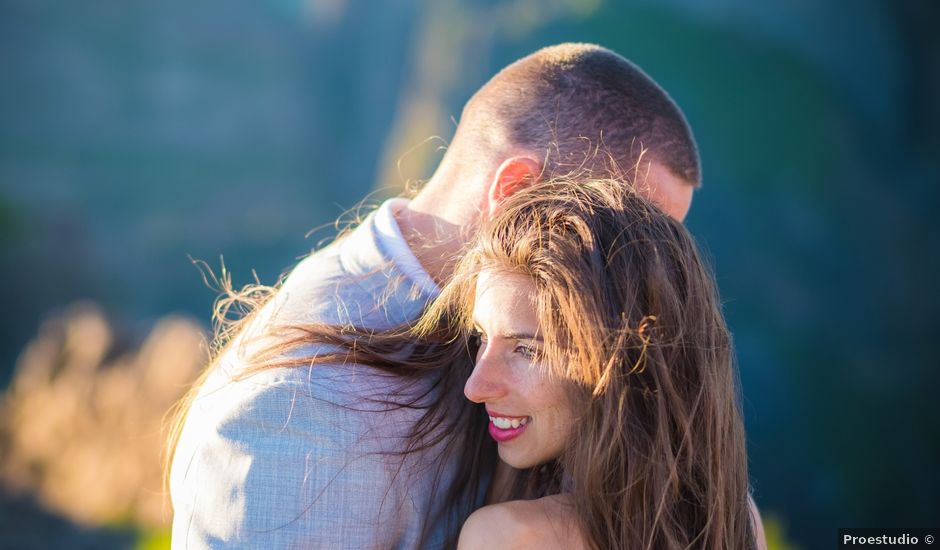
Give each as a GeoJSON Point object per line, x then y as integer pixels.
{"type": "Point", "coordinates": [506, 428]}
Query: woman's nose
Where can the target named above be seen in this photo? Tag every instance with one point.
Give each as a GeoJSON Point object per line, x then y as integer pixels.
{"type": "Point", "coordinates": [486, 382]}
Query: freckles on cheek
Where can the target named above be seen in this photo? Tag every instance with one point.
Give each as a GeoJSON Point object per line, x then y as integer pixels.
{"type": "Point", "coordinates": [559, 408]}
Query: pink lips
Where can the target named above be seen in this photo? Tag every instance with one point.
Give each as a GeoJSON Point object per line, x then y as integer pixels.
{"type": "Point", "coordinates": [503, 435]}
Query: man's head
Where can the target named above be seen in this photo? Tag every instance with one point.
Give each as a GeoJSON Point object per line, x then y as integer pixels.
{"type": "Point", "coordinates": [571, 110]}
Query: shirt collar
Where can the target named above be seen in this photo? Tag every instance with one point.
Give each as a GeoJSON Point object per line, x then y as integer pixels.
{"type": "Point", "coordinates": [393, 244]}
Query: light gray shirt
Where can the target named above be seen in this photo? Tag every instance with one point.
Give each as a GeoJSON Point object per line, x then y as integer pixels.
{"type": "Point", "coordinates": [303, 457]}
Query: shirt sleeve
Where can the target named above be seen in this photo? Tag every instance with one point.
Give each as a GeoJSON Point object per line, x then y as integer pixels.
{"type": "Point", "coordinates": [289, 462]}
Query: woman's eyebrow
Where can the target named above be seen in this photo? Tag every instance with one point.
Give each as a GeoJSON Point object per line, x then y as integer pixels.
{"type": "Point", "coordinates": [510, 335]}
{"type": "Point", "coordinates": [522, 336]}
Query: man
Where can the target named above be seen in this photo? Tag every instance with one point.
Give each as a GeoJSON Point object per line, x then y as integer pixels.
{"type": "Point", "coordinates": [298, 456]}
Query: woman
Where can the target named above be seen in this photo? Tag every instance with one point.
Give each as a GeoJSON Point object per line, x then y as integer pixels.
{"type": "Point", "coordinates": [606, 372]}
{"type": "Point", "coordinates": [587, 335]}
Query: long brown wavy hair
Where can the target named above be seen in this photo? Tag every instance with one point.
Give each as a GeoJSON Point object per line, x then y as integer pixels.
{"type": "Point", "coordinates": [631, 318]}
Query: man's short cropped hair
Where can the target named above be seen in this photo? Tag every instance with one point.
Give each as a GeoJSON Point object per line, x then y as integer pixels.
{"type": "Point", "coordinates": [583, 104]}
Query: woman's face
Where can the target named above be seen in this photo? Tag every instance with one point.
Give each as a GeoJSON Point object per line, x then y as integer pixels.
{"type": "Point", "coordinates": [530, 413]}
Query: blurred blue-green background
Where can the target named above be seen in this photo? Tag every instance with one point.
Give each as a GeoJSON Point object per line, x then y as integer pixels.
{"type": "Point", "coordinates": [135, 135]}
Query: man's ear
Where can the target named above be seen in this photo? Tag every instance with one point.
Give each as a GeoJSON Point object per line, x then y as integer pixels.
{"type": "Point", "coordinates": [668, 191]}
{"type": "Point", "coordinates": [514, 174]}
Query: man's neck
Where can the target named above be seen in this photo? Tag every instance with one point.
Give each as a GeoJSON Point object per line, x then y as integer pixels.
{"type": "Point", "coordinates": [442, 217]}
{"type": "Point", "coordinates": [434, 241]}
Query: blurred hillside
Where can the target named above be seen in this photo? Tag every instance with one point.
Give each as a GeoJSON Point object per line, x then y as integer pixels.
{"type": "Point", "coordinates": [81, 427]}
{"type": "Point", "coordinates": [137, 135]}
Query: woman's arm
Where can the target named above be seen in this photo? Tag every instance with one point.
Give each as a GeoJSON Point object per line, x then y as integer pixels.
{"type": "Point", "coordinates": [545, 523]}
{"type": "Point", "coordinates": [491, 527]}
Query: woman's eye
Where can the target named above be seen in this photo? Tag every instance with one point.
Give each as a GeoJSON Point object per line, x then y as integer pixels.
{"type": "Point", "coordinates": [527, 352]}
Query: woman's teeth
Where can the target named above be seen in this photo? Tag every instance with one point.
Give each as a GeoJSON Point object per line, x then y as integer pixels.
{"type": "Point", "coordinates": [507, 423]}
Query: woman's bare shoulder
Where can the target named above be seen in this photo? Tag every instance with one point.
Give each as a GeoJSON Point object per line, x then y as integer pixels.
{"type": "Point", "coordinates": [542, 523]}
